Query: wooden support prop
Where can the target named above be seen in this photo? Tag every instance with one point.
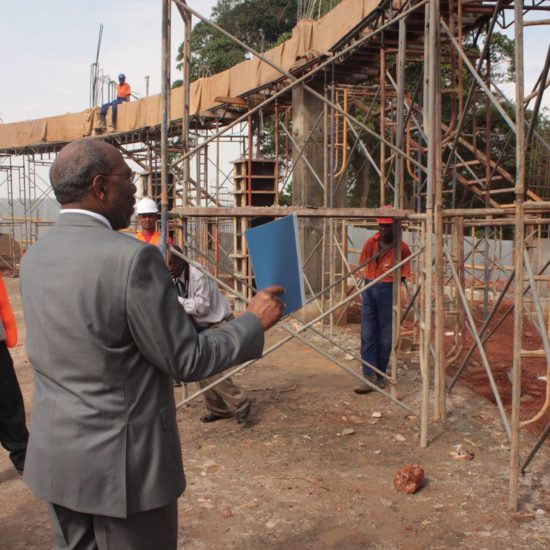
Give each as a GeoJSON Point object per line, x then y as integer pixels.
{"type": "Point", "coordinates": [230, 100]}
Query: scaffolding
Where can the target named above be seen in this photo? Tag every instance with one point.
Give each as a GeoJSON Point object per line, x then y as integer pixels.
{"type": "Point", "coordinates": [406, 108]}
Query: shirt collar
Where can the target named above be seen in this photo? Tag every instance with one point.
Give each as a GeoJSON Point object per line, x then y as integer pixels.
{"type": "Point", "coordinates": [95, 215]}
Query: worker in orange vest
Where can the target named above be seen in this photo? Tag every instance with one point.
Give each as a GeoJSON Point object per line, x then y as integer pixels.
{"type": "Point", "coordinates": [147, 213]}
{"type": "Point", "coordinates": [13, 430]}
{"type": "Point", "coordinates": [123, 94]}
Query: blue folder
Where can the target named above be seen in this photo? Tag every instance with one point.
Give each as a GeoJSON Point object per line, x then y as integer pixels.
{"type": "Point", "coordinates": [274, 251]}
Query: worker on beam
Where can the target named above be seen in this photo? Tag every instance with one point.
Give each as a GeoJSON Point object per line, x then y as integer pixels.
{"type": "Point", "coordinates": [123, 93]}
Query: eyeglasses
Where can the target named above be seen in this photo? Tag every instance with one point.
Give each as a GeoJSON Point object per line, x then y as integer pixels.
{"type": "Point", "coordinates": [131, 178]}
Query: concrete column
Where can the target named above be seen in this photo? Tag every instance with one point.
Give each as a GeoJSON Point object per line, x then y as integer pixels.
{"type": "Point", "coordinates": [307, 190]}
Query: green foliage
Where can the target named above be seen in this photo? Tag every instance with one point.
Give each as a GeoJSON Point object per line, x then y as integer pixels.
{"type": "Point", "coordinates": [285, 196]}
{"type": "Point", "coordinates": [257, 23]}
{"type": "Point", "coordinates": [501, 54]}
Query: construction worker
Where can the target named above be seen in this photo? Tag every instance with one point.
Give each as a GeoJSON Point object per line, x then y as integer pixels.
{"type": "Point", "coordinates": [147, 213]}
{"type": "Point", "coordinates": [13, 429]}
{"type": "Point", "coordinates": [123, 93]}
{"type": "Point", "coordinates": [205, 304]}
{"type": "Point", "coordinates": [376, 302]}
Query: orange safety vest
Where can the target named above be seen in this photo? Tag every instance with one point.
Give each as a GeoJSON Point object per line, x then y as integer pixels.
{"type": "Point", "coordinates": [123, 91]}
{"type": "Point", "coordinates": [155, 238]}
{"type": "Point", "coordinates": [8, 318]}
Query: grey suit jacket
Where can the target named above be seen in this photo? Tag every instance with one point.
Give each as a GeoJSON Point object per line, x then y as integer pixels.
{"type": "Point", "coordinates": [105, 334]}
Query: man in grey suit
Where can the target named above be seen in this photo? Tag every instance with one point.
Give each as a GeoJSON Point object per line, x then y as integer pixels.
{"type": "Point", "coordinates": [105, 338]}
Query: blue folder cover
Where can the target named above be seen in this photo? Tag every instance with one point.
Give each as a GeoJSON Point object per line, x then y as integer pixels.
{"type": "Point", "coordinates": [274, 251]}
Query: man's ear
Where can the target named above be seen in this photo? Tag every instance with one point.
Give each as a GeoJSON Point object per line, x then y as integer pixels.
{"type": "Point", "coordinates": [100, 186]}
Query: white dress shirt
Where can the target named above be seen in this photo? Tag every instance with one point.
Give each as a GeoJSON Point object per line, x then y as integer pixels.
{"type": "Point", "coordinates": [204, 302]}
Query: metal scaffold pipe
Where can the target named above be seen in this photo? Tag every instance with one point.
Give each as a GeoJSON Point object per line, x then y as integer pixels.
{"type": "Point", "coordinates": [519, 236]}
{"type": "Point", "coordinates": [165, 92]}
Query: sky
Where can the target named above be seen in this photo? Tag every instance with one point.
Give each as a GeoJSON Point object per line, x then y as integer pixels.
{"type": "Point", "coordinates": [48, 47]}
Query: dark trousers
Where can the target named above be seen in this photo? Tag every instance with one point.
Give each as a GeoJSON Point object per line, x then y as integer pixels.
{"type": "Point", "coordinates": [226, 399]}
{"type": "Point", "coordinates": [113, 105]}
{"type": "Point", "coordinates": [376, 326]}
{"type": "Point", "coordinates": [13, 431]}
{"type": "Point", "coordinates": [150, 530]}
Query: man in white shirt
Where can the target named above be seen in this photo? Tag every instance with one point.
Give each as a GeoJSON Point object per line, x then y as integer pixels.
{"type": "Point", "coordinates": [204, 303]}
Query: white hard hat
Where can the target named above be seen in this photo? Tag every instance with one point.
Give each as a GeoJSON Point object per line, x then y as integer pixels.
{"type": "Point", "coordinates": [146, 206]}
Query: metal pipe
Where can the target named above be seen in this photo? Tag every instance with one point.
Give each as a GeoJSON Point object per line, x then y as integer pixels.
{"type": "Point", "coordinates": [429, 124]}
{"type": "Point", "coordinates": [344, 143]}
{"type": "Point", "coordinates": [536, 447]}
{"type": "Point", "coordinates": [382, 126]}
{"type": "Point", "coordinates": [482, 353]}
{"type": "Point", "coordinates": [478, 78]}
{"type": "Point", "coordinates": [482, 331]}
{"type": "Point", "coordinates": [165, 98]}
{"type": "Point", "coordinates": [332, 145]}
{"type": "Point", "coordinates": [249, 164]}
{"type": "Point", "coordinates": [276, 139]}
{"type": "Point", "coordinates": [440, 407]}
{"type": "Point", "coordinates": [543, 334]}
{"type": "Point", "coordinates": [400, 113]}
{"type": "Point", "coordinates": [535, 114]}
{"type": "Point", "coordinates": [519, 236]}
{"type": "Point", "coordinates": [186, 104]}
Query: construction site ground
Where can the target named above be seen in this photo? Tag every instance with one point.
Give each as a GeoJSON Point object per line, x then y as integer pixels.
{"type": "Point", "coordinates": [314, 468]}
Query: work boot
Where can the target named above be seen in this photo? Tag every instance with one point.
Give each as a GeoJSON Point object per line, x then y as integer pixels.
{"type": "Point", "coordinates": [364, 388]}
{"type": "Point", "coordinates": [381, 382]}
{"type": "Point", "coordinates": [211, 417]}
{"type": "Point", "coordinates": [243, 414]}
{"type": "Point", "coordinates": [102, 122]}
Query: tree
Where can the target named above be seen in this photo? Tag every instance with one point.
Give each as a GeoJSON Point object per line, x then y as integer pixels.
{"type": "Point", "coordinates": [257, 23]}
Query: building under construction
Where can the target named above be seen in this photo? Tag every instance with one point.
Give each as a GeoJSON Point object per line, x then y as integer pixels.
{"type": "Point", "coordinates": [377, 102]}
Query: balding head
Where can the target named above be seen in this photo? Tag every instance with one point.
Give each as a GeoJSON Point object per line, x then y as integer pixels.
{"type": "Point", "coordinates": [92, 175]}
{"type": "Point", "coordinates": [73, 170]}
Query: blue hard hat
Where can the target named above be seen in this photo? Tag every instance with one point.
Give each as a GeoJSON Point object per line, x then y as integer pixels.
{"type": "Point", "coordinates": [122, 76]}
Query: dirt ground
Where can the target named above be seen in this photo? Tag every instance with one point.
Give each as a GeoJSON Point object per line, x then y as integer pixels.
{"type": "Point", "coordinates": [314, 468]}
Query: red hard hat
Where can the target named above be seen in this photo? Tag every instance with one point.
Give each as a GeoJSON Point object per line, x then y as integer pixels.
{"type": "Point", "coordinates": [385, 221]}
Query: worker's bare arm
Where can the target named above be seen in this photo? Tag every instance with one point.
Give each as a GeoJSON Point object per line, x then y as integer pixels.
{"type": "Point", "coordinates": [266, 306]}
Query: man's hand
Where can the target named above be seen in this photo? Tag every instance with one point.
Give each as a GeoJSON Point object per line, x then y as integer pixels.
{"type": "Point", "coordinates": [266, 306]}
